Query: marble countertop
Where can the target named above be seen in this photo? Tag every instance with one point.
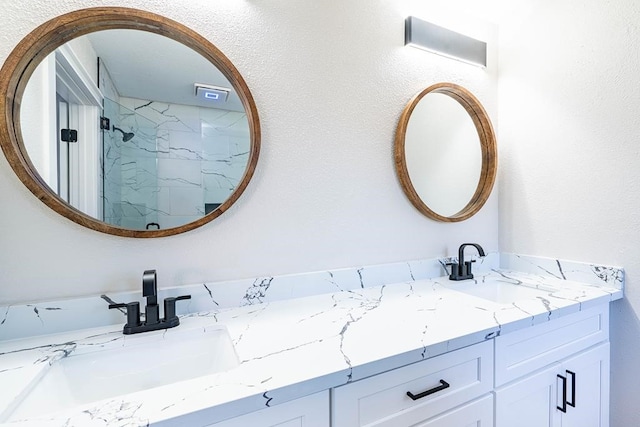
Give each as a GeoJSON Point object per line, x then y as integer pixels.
{"type": "Point", "coordinates": [291, 348]}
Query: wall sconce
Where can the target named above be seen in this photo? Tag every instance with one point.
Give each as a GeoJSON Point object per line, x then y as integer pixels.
{"type": "Point", "coordinates": [427, 36]}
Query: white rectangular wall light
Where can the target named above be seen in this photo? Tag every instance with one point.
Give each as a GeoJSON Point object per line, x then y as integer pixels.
{"type": "Point", "coordinates": [436, 39]}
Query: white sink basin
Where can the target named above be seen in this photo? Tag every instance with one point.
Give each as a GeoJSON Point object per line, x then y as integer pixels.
{"type": "Point", "coordinates": [136, 363]}
{"type": "Point", "coordinates": [499, 292]}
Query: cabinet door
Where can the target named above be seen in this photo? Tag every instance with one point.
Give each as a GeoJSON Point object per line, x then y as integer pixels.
{"type": "Point", "coordinates": [475, 414]}
{"type": "Point", "coordinates": [587, 377]}
{"type": "Point", "coordinates": [530, 402]}
{"type": "Point", "coordinates": [309, 411]}
{"type": "Point", "coordinates": [580, 385]}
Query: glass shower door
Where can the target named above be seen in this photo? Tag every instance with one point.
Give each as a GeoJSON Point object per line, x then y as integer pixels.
{"type": "Point", "coordinates": [130, 171]}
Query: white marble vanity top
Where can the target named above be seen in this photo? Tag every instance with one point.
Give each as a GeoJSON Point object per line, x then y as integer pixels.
{"type": "Point", "coordinates": [291, 348]}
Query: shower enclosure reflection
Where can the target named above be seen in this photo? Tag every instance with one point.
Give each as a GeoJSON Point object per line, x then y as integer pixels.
{"type": "Point", "coordinates": [170, 165]}
{"type": "Point", "coordinates": [129, 171]}
{"type": "Point", "coordinates": [151, 152]}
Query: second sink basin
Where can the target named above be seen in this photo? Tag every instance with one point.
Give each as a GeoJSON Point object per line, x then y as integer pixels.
{"type": "Point", "coordinates": [134, 364]}
{"type": "Point", "coordinates": [499, 292]}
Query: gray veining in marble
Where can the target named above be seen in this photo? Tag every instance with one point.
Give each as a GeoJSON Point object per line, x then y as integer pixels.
{"type": "Point", "coordinates": [23, 320]}
{"type": "Point", "coordinates": [338, 332]}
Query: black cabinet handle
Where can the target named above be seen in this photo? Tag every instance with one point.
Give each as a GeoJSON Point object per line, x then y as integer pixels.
{"type": "Point", "coordinates": [573, 389]}
{"type": "Point", "coordinates": [442, 386]}
{"type": "Point", "coordinates": [563, 408]}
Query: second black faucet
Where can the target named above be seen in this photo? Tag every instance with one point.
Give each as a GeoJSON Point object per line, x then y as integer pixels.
{"type": "Point", "coordinates": [462, 269]}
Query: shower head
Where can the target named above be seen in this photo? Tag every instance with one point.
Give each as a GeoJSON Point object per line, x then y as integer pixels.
{"type": "Point", "coordinates": [126, 136]}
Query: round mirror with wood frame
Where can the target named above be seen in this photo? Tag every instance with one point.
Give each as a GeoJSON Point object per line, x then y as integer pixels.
{"type": "Point", "coordinates": [487, 160]}
{"type": "Point", "coordinates": [36, 46]}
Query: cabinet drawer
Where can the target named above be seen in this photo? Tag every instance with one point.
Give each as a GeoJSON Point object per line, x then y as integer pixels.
{"type": "Point", "coordinates": [382, 400]}
{"type": "Point", "coordinates": [522, 352]}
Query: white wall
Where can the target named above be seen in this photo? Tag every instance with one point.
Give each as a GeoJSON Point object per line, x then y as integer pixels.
{"type": "Point", "coordinates": [330, 80]}
{"type": "Point", "coordinates": [570, 153]}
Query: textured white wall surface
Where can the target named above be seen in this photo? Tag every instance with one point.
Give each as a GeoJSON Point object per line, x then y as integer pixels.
{"type": "Point", "coordinates": [330, 80]}
{"type": "Point", "coordinates": [569, 102]}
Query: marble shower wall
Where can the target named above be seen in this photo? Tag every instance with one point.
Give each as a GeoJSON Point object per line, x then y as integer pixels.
{"type": "Point", "coordinates": [181, 159]}
{"type": "Point", "coordinates": [111, 174]}
{"type": "Point", "coordinates": [130, 169]}
{"type": "Point", "coordinates": [111, 168]}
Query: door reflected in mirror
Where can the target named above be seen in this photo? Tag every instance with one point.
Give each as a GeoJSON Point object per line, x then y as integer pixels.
{"type": "Point", "coordinates": [161, 133]}
{"type": "Point", "coordinates": [445, 153]}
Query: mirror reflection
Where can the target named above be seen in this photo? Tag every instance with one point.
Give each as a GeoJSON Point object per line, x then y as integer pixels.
{"type": "Point", "coordinates": [135, 129]}
{"type": "Point", "coordinates": [443, 155]}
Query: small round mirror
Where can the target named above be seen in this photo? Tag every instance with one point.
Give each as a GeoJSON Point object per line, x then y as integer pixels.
{"type": "Point", "coordinates": [445, 153]}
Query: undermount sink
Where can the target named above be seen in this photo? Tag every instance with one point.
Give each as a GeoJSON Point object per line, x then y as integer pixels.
{"type": "Point", "coordinates": [132, 364]}
{"type": "Point", "coordinates": [500, 292]}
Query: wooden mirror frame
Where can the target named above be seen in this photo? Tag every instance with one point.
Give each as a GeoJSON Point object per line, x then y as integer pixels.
{"type": "Point", "coordinates": [27, 55]}
{"type": "Point", "coordinates": [488, 148]}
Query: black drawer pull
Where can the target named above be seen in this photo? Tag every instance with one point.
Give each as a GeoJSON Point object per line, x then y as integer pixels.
{"type": "Point", "coordinates": [563, 408]}
{"type": "Point", "coordinates": [442, 386]}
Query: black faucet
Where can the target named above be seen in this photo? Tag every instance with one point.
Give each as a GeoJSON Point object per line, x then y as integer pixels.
{"type": "Point", "coordinates": [152, 321]}
{"type": "Point", "coordinates": [462, 269]}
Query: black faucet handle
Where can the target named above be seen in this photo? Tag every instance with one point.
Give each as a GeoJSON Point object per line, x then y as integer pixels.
{"type": "Point", "coordinates": [170, 307]}
{"type": "Point", "coordinates": [456, 270]}
{"type": "Point", "coordinates": [453, 265]}
{"type": "Point", "coordinates": [467, 265]}
{"type": "Point", "coordinates": [133, 312]}
{"type": "Point", "coordinates": [118, 305]}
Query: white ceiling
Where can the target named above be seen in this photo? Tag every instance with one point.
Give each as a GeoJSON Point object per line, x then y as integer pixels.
{"type": "Point", "coordinates": [153, 67]}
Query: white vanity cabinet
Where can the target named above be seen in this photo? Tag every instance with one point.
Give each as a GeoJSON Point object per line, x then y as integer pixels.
{"type": "Point", "coordinates": [308, 411]}
{"type": "Point", "coordinates": [449, 390]}
{"type": "Point", "coordinates": [555, 374]}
